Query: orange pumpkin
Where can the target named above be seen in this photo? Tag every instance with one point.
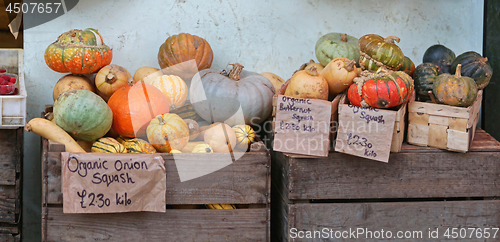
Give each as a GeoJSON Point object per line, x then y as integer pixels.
{"type": "Point", "coordinates": [168, 132]}
{"type": "Point", "coordinates": [78, 52]}
{"type": "Point", "coordinates": [174, 88]}
{"type": "Point", "coordinates": [184, 47]}
{"type": "Point", "coordinates": [221, 137]}
{"type": "Point", "coordinates": [307, 84]}
{"type": "Point", "coordinates": [339, 74]}
{"type": "Point", "coordinates": [275, 80]}
{"type": "Point", "coordinates": [134, 106]}
{"type": "Point", "coordinates": [110, 78]}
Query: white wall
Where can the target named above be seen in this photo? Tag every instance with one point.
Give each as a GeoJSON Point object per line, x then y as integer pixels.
{"type": "Point", "coordinates": [276, 36]}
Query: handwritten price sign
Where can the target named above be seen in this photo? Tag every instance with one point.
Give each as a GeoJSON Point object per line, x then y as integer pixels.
{"type": "Point", "coordinates": [110, 183]}
{"type": "Point", "coordinates": [365, 132]}
{"type": "Point", "coordinates": [302, 126]}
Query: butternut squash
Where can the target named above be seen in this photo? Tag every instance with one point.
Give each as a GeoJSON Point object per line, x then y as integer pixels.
{"type": "Point", "coordinates": [51, 131]}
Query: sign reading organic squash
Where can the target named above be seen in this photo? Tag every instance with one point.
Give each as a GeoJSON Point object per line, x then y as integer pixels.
{"type": "Point", "coordinates": [107, 183]}
{"type": "Point", "coordinates": [365, 132]}
{"type": "Point", "coordinates": [302, 126]}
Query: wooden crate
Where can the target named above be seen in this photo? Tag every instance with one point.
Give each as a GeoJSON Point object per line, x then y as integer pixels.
{"type": "Point", "coordinates": [246, 183]}
{"type": "Point", "coordinates": [443, 126]}
{"type": "Point", "coordinates": [11, 156]}
{"type": "Point", "coordinates": [420, 188]}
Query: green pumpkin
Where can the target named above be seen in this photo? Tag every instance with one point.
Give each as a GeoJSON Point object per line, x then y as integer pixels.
{"type": "Point", "coordinates": [438, 53]}
{"type": "Point", "coordinates": [424, 76]}
{"type": "Point", "coordinates": [408, 67]}
{"type": "Point", "coordinates": [377, 51]}
{"type": "Point", "coordinates": [333, 45]}
{"type": "Point", "coordinates": [474, 66]}
{"type": "Point", "coordinates": [457, 90]}
{"type": "Point", "coordinates": [83, 114]}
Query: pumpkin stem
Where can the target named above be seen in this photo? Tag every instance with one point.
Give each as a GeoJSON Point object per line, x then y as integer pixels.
{"type": "Point", "coordinates": [458, 71]}
{"type": "Point", "coordinates": [131, 82]}
{"type": "Point", "coordinates": [313, 71]}
{"type": "Point", "coordinates": [161, 120]}
{"type": "Point", "coordinates": [235, 72]}
{"type": "Point", "coordinates": [111, 78]}
{"type": "Point", "coordinates": [350, 65]}
{"type": "Point", "coordinates": [343, 38]}
{"type": "Point", "coordinates": [484, 59]}
{"type": "Point", "coordinates": [431, 95]}
{"type": "Point", "coordinates": [391, 39]}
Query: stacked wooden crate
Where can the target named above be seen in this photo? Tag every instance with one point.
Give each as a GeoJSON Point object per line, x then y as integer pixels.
{"type": "Point", "coordinates": [11, 150]}
{"type": "Point", "coordinates": [420, 189]}
{"type": "Point", "coordinates": [245, 183]}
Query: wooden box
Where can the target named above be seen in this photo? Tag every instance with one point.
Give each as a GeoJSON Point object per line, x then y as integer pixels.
{"type": "Point", "coordinates": [245, 182]}
{"type": "Point", "coordinates": [443, 126]}
{"type": "Point", "coordinates": [421, 188]}
{"type": "Point", "coordinates": [11, 157]}
{"type": "Point", "coordinates": [399, 125]}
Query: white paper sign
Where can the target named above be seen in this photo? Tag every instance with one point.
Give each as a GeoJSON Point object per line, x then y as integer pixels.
{"type": "Point", "coordinates": [302, 126]}
{"type": "Point", "coordinates": [365, 132]}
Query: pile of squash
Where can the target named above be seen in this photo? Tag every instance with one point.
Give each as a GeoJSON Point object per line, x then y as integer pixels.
{"type": "Point", "coordinates": [101, 107]}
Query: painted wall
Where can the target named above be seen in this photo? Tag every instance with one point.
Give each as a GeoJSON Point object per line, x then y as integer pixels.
{"type": "Point", "coordinates": [276, 36]}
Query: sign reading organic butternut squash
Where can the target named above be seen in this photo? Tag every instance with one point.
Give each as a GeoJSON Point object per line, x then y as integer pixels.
{"type": "Point", "coordinates": [110, 183]}
{"type": "Point", "coordinates": [302, 126]}
{"type": "Point", "coordinates": [365, 132]}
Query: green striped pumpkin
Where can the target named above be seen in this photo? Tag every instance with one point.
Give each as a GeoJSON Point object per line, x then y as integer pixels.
{"type": "Point", "coordinates": [108, 145]}
{"type": "Point", "coordinates": [136, 145]}
{"type": "Point", "coordinates": [221, 206]}
{"type": "Point", "coordinates": [187, 112]}
{"type": "Point", "coordinates": [376, 51]}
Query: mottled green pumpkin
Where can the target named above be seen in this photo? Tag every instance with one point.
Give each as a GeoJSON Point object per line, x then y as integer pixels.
{"type": "Point", "coordinates": [333, 45]}
{"type": "Point", "coordinates": [455, 90]}
{"type": "Point", "coordinates": [474, 66]}
{"type": "Point", "coordinates": [376, 51]}
{"type": "Point", "coordinates": [437, 53]}
{"type": "Point", "coordinates": [408, 67]}
{"type": "Point", "coordinates": [424, 76]}
{"type": "Point", "coordinates": [83, 114]}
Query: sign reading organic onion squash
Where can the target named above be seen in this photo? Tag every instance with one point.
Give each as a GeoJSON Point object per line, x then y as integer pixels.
{"type": "Point", "coordinates": [107, 183]}
{"type": "Point", "coordinates": [302, 126]}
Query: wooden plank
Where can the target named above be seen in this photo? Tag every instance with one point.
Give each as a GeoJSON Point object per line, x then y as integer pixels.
{"type": "Point", "coordinates": [9, 149]}
{"type": "Point", "coordinates": [438, 109]}
{"type": "Point", "coordinates": [409, 216]}
{"type": "Point", "coordinates": [8, 229]}
{"type": "Point", "coordinates": [8, 210]}
{"type": "Point", "coordinates": [439, 120]}
{"type": "Point", "coordinates": [8, 192]}
{"type": "Point", "coordinates": [407, 175]}
{"type": "Point", "coordinates": [458, 141]}
{"type": "Point", "coordinates": [6, 237]}
{"type": "Point", "coordinates": [418, 118]}
{"type": "Point", "coordinates": [418, 134]}
{"type": "Point", "coordinates": [7, 176]}
{"type": "Point", "coordinates": [174, 225]}
{"type": "Point", "coordinates": [458, 124]}
{"type": "Point", "coordinates": [242, 182]}
{"type": "Point", "coordinates": [438, 137]}
{"type": "Point", "coordinates": [279, 192]}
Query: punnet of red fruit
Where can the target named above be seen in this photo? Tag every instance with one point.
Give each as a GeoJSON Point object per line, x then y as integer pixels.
{"type": "Point", "coordinates": [7, 83]}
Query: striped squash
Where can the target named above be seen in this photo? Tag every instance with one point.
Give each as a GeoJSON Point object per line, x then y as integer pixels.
{"type": "Point", "coordinates": [187, 112]}
{"type": "Point", "coordinates": [136, 145]}
{"type": "Point", "coordinates": [108, 145]}
{"type": "Point", "coordinates": [220, 206]}
{"type": "Point", "coordinates": [385, 89]}
{"type": "Point", "coordinates": [174, 88]}
{"type": "Point", "coordinates": [376, 51]}
{"type": "Point", "coordinates": [167, 132]}
{"type": "Point", "coordinates": [245, 135]}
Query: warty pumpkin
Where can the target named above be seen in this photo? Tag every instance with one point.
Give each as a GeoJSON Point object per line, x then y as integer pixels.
{"type": "Point", "coordinates": [384, 89]}
{"type": "Point", "coordinates": [376, 51]}
{"type": "Point", "coordinates": [168, 131]}
{"type": "Point", "coordinates": [78, 52]}
{"type": "Point", "coordinates": [174, 88]}
{"type": "Point", "coordinates": [219, 96]}
{"type": "Point", "coordinates": [108, 145]}
{"type": "Point", "coordinates": [457, 90]}
{"type": "Point", "coordinates": [184, 47]}
{"type": "Point", "coordinates": [134, 106]}
{"type": "Point", "coordinates": [110, 78]}
{"type": "Point", "coordinates": [70, 82]}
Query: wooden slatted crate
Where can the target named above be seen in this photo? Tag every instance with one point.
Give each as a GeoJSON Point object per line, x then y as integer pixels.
{"type": "Point", "coordinates": [245, 182]}
{"type": "Point", "coordinates": [443, 126]}
{"type": "Point", "coordinates": [421, 188]}
{"type": "Point", "coordinates": [11, 148]}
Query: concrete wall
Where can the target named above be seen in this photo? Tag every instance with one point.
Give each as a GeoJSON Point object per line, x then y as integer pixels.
{"type": "Point", "coordinates": [276, 36]}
